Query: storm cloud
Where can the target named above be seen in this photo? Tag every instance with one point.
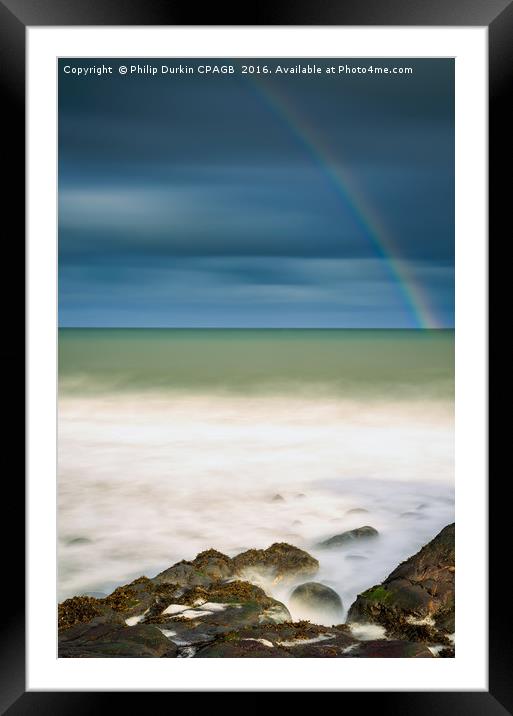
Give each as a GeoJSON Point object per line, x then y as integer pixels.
{"type": "Point", "coordinates": [194, 201]}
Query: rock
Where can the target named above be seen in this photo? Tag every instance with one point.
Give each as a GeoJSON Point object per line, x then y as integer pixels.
{"type": "Point", "coordinates": [233, 592]}
{"type": "Point", "coordinates": [357, 511]}
{"type": "Point", "coordinates": [316, 602]}
{"type": "Point", "coordinates": [242, 649]}
{"type": "Point", "coordinates": [389, 649]}
{"type": "Point", "coordinates": [445, 620]}
{"type": "Point", "coordinates": [360, 533]}
{"type": "Point", "coordinates": [332, 643]}
{"type": "Point", "coordinates": [291, 639]}
{"type": "Point", "coordinates": [277, 562]}
{"type": "Point", "coordinates": [79, 610]}
{"type": "Point", "coordinates": [112, 640]}
{"type": "Point", "coordinates": [201, 614]}
{"type": "Point", "coordinates": [305, 640]}
{"type": "Point", "coordinates": [300, 495]}
{"type": "Point", "coordinates": [207, 567]}
{"type": "Point", "coordinates": [183, 573]}
{"type": "Point", "coordinates": [215, 565]}
{"type": "Point", "coordinates": [278, 498]}
{"type": "Point", "coordinates": [183, 616]}
{"type": "Point", "coordinates": [78, 541]}
{"type": "Point", "coordinates": [416, 601]}
{"type": "Point", "coordinates": [133, 599]}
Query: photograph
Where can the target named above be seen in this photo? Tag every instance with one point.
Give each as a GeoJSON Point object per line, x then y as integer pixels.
{"type": "Point", "coordinates": [256, 316]}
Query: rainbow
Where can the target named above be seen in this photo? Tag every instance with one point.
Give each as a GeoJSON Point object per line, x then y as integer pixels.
{"type": "Point", "coordinates": [314, 143]}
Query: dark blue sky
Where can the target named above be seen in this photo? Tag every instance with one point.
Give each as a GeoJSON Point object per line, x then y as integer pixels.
{"type": "Point", "coordinates": [232, 201]}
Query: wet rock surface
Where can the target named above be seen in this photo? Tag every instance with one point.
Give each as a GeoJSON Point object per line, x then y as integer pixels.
{"type": "Point", "coordinates": [313, 600]}
{"type": "Point", "coordinates": [183, 573]}
{"type": "Point", "coordinates": [115, 640]}
{"type": "Point", "coordinates": [289, 639]}
{"type": "Point", "coordinates": [181, 616]}
{"type": "Point", "coordinates": [349, 537]}
{"type": "Point", "coordinates": [214, 565]}
{"type": "Point", "coordinates": [416, 601]}
{"type": "Point", "coordinates": [383, 648]}
{"type": "Point", "coordinates": [279, 561]}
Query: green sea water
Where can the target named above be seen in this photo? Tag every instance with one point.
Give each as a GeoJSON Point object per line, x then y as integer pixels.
{"type": "Point", "coordinates": [374, 362]}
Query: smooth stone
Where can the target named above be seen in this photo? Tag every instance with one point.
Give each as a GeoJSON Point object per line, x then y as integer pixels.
{"type": "Point", "coordinates": [360, 533]}
{"type": "Point", "coordinates": [313, 600]}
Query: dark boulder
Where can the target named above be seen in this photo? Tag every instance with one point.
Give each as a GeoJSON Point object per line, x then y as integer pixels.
{"type": "Point", "coordinates": [132, 599]}
{"type": "Point", "coordinates": [115, 641]}
{"type": "Point", "coordinates": [349, 537]}
{"type": "Point", "coordinates": [130, 602]}
{"type": "Point", "coordinates": [279, 561]}
{"type": "Point", "coordinates": [207, 567]}
{"type": "Point", "coordinates": [316, 602]}
{"type": "Point", "coordinates": [214, 565]}
{"type": "Point", "coordinates": [79, 610]}
{"type": "Point", "coordinates": [183, 573]}
{"type": "Point", "coordinates": [416, 601]}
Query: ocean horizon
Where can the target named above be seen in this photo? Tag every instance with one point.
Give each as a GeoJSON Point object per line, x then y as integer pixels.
{"type": "Point", "coordinates": [379, 361]}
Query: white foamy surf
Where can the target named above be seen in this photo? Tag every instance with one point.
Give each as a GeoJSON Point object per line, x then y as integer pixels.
{"type": "Point", "coordinates": [146, 480]}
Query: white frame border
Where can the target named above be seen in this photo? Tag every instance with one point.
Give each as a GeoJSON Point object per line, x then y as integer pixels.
{"type": "Point", "coordinates": [469, 670]}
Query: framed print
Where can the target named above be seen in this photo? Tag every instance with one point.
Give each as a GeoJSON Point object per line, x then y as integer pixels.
{"type": "Point", "coordinates": [257, 325]}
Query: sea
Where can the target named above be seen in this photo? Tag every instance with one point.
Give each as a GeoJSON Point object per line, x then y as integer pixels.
{"type": "Point", "coordinates": [173, 441]}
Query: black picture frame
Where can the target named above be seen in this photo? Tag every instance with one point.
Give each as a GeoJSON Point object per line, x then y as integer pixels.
{"type": "Point", "coordinates": [15, 17]}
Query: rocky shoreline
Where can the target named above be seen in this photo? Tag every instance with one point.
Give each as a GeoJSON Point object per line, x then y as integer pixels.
{"type": "Point", "coordinates": [213, 606]}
